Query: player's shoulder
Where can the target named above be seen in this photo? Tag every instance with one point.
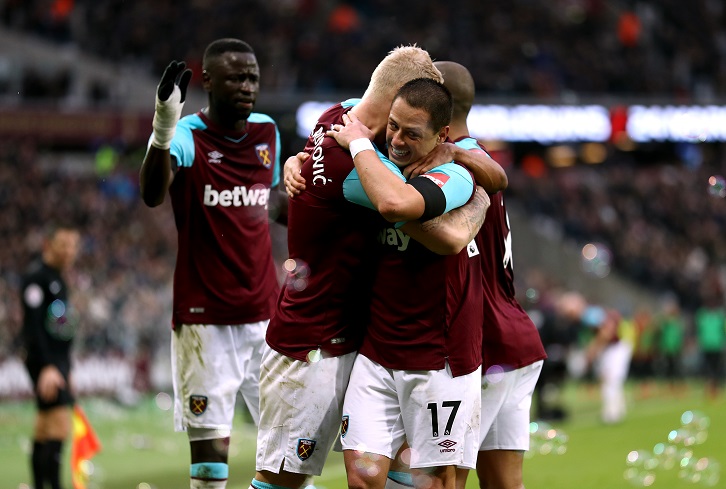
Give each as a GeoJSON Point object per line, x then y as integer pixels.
{"type": "Point", "coordinates": [260, 118]}
{"type": "Point", "coordinates": [468, 142]}
{"type": "Point", "coordinates": [192, 121]}
{"type": "Point", "coordinates": [35, 272]}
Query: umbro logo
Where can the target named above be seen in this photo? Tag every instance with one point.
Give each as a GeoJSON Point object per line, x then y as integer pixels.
{"type": "Point", "coordinates": [215, 156]}
{"type": "Point", "coordinates": [447, 446]}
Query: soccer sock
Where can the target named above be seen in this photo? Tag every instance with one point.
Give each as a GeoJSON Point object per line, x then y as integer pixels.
{"type": "Point", "coordinates": [399, 480]}
{"type": "Point", "coordinates": [255, 484]}
{"type": "Point", "coordinates": [209, 475]}
{"type": "Point", "coordinates": [53, 461]}
{"type": "Point", "coordinates": [37, 461]}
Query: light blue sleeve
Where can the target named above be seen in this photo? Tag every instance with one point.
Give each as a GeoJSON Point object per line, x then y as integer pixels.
{"type": "Point", "coordinates": [354, 192]}
{"type": "Point", "coordinates": [458, 187]}
{"type": "Point", "coordinates": [182, 146]}
{"type": "Point", "coordinates": [470, 144]}
{"type": "Point", "coordinates": [455, 182]}
{"type": "Point", "coordinates": [276, 168]}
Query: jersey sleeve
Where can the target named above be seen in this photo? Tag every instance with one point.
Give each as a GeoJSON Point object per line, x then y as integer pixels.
{"type": "Point", "coordinates": [353, 190]}
{"type": "Point", "coordinates": [182, 146]}
{"type": "Point", "coordinates": [471, 144]}
{"type": "Point", "coordinates": [276, 164]}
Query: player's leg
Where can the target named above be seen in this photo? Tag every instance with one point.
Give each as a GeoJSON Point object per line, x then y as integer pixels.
{"type": "Point", "coordinates": [615, 361]}
{"type": "Point", "coordinates": [462, 475]}
{"type": "Point", "coordinates": [300, 412]}
{"type": "Point", "coordinates": [250, 340]}
{"type": "Point", "coordinates": [372, 429]}
{"type": "Point", "coordinates": [500, 469]}
{"type": "Point", "coordinates": [52, 428]}
{"type": "Point", "coordinates": [441, 416]}
{"type": "Point", "coordinates": [501, 454]}
{"type": "Point", "coordinates": [206, 379]}
{"type": "Point", "coordinates": [399, 473]}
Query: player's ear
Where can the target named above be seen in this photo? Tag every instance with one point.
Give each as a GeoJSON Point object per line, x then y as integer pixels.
{"type": "Point", "coordinates": [206, 80]}
{"type": "Point", "coordinates": [443, 134]}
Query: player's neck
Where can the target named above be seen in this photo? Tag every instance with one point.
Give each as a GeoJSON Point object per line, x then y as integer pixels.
{"type": "Point", "coordinates": [373, 118]}
{"type": "Point", "coordinates": [458, 130]}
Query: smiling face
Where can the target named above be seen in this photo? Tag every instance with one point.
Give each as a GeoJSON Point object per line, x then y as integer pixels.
{"type": "Point", "coordinates": [409, 134]}
{"type": "Point", "coordinates": [232, 80]}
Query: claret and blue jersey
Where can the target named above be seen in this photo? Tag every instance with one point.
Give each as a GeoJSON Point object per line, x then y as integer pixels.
{"type": "Point", "coordinates": [220, 193]}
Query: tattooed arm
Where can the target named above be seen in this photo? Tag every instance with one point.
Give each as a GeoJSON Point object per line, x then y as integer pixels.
{"type": "Point", "coordinates": [450, 233]}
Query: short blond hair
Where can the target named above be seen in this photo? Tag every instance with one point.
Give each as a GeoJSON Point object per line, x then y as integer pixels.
{"type": "Point", "coordinates": [401, 65]}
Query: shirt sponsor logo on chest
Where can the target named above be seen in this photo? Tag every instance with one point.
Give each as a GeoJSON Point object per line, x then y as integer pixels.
{"type": "Point", "coordinates": [238, 196]}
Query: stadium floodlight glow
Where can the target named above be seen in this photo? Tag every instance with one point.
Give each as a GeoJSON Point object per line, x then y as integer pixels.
{"type": "Point", "coordinates": [677, 123]}
{"type": "Point", "coordinates": [551, 124]}
{"type": "Point", "coordinates": [307, 115]}
{"type": "Point", "coordinates": [541, 123]}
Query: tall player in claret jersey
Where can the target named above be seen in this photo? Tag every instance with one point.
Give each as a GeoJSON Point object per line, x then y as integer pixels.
{"type": "Point", "coordinates": [219, 166]}
{"type": "Point", "coordinates": [417, 375]}
{"type": "Point", "coordinates": [511, 344]}
{"type": "Point", "coordinates": [316, 330]}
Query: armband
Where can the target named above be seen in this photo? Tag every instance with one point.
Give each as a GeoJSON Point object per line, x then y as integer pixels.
{"type": "Point", "coordinates": [361, 144]}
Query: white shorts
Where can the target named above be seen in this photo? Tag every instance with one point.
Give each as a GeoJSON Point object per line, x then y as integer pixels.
{"type": "Point", "coordinates": [506, 398]}
{"type": "Point", "coordinates": [436, 413]}
{"type": "Point", "coordinates": [300, 410]}
{"type": "Point", "coordinates": [209, 365]}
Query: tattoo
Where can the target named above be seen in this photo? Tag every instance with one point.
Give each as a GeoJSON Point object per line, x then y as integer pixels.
{"type": "Point", "coordinates": [470, 216]}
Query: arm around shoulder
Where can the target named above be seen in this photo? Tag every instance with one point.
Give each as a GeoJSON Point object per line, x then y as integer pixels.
{"type": "Point", "coordinates": [487, 172]}
{"type": "Point", "coordinates": [450, 233]}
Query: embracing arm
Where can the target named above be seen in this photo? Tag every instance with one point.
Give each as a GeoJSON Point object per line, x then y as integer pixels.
{"type": "Point", "coordinates": [388, 192]}
{"type": "Point", "coordinates": [449, 233]}
{"type": "Point", "coordinates": [487, 172]}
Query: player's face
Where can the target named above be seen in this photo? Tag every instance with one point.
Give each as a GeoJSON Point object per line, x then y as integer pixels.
{"type": "Point", "coordinates": [62, 249]}
{"type": "Point", "coordinates": [409, 134]}
{"type": "Point", "coordinates": [233, 82]}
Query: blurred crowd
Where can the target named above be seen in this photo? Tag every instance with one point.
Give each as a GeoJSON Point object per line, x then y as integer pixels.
{"type": "Point", "coordinates": [657, 220]}
{"type": "Point", "coordinates": [122, 282]}
{"type": "Point", "coordinates": [544, 49]}
{"type": "Point", "coordinates": [661, 225]}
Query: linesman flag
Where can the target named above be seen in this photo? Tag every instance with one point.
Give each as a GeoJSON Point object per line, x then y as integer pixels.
{"type": "Point", "coordinates": [85, 445]}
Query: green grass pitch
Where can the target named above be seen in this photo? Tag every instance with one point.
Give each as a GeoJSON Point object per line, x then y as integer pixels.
{"type": "Point", "coordinates": [141, 450]}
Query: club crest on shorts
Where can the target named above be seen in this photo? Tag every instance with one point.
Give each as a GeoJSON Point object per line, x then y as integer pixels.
{"type": "Point", "coordinates": [305, 448]}
{"type": "Point", "coordinates": [263, 154]}
{"type": "Point", "coordinates": [344, 426]}
{"type": "Point", "coordinates": [197, 404]}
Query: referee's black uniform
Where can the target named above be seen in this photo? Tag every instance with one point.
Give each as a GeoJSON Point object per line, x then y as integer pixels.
{"type": "Point", "coordinates": [48, 328]}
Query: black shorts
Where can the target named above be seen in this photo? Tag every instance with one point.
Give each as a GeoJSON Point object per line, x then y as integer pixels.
{"type": "Point", "coordinates": [64, 398]}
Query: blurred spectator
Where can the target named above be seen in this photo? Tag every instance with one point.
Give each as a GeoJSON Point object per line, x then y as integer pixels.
{"type": "Point", "coordinates": [519, 47]}
{"type": "Point", "coordinates": [710, 322]}
{"type": "Point", "coordinates": [670, 329]}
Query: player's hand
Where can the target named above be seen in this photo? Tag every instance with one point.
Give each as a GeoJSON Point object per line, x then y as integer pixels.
{"type": "Point", "coordinates": [294, 182]}
{"type": "Point", "coordinates": [170, 96]}
{"type": "Point", "coordinates": [50, 382]}
{"type": "Point", "coordinates": [442, 153]}
{"type": "Point", "coordinates": [352, 129]}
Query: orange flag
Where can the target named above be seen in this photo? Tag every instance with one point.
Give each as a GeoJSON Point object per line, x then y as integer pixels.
{"type": "Point", "coordinates": [85, 445]}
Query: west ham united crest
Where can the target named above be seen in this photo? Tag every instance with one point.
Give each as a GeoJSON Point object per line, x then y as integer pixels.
{"type": "Point", "coordinates": [344, 426]}
{"type": "Point", "coordinates": [197, 404]}
{"type": "Point", "coordinates": [263, 154]}
{"type": "Point", "coordinates": [305, 448]}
